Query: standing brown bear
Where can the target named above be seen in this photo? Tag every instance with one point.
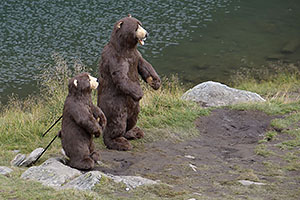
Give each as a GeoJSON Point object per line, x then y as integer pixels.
{"type": "Point", "coordinates": [120, 91]}
{"type": "Point", "coordinates": [81, 120]}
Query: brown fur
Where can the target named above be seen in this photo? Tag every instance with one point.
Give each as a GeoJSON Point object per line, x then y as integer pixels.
{"type": "Point", "coordinates": [120, 91]}
{"type": "Point", "coordinates": [81, 120]}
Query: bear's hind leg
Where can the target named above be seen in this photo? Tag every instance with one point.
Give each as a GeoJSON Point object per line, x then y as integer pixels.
{"type": "Point", "coordinates": [133, 132]}
{"type": "Point", "coordinates": [80, 156]}
{"type": "Point", "coordinates": [84, 164]}
{"type": "Point", "coordinates": [95, 155]}
{"type": "Point", "coordinates": [119, 143]}
{"type": "Point", "coordinates": [113, 138]}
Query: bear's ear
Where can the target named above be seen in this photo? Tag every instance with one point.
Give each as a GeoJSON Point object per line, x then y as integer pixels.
{"type": "Point", "coordinates": [129, 15]}
{"type": "Point", "coordinates": [75, 82]}
{"type": "Point", "coordinates": [119, 24]}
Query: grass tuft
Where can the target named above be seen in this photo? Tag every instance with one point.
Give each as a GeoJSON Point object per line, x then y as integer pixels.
{"type": "Point", "coordinates": [277, 81]}
{"type": "Point", "coordinates": [164, 111]}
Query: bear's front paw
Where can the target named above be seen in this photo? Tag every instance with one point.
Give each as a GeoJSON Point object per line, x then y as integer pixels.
{"type": "Point", "coordinates": [154, 82]}
{"type": "Point", "coordinates": [97, 134]}
{"type": "Point", "coordinates": [102, 121]}
{"type": "Point", "coordinates": [98, 131]}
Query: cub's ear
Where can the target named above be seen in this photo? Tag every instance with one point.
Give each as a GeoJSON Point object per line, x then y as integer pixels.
{"type": "Point", "coordinates": [75, 83]}
{"type": "Point", "coordinates": [119, 24]}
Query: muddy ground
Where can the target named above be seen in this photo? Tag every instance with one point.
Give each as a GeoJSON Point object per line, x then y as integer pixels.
{"type": "Point", "coordinates": [209, 165]}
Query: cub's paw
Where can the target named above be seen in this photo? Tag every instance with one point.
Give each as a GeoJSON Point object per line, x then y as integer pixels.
{"type": "Point", "coordinates": [95, 156]}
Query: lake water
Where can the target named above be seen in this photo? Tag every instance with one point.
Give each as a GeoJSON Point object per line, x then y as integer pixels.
{"type": "Point", "coordinates": [198, 40]}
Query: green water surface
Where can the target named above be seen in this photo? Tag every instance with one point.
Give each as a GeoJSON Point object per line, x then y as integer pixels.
{"type": "Point", "coordinates": [198, 40]}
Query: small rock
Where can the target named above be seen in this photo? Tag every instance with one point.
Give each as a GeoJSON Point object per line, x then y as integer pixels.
{"type": "Point", "coordinates": [62, 151]}
{"type": "Point", "coordinates": [22, 161]}
{"type": "Point", "coordinates": [213, 94]}
{"type": "Point", "coordinates": [291, 46]}
{"type": "Point", "coordinates": [19, 158]}
{"type": "Point", "coordinates": [196, 193]}
{"type": "Point", "coordinates": [16, 151]}
{"type": "Point", "coordinates": [189, 156]}
{"type": "Point", "coordinates": [32, 157]}
{"type": "Point", "coordinates": [194, 168]}
{"type": "Point", "coordinates": [131, 181]}
{"type": "Point", "coordinates": [85, 181]}
{"type": "Point", "coordinates": [5, 170]}
{"type": "Point", "coordinates": [275, 57]}
{"type": "Point", "coordinates": [51, 173]}
{"type": "Point", "coordinates": [247, 183]}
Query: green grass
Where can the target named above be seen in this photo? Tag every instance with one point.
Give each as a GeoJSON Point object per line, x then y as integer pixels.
{"type": "Point", "coordinates": [262, 150]}
{"type": "Point", "coordinates": [165, 114]}
{"type": "Point", "coordinates": [13, 187]}
{"type": "Point", "coordinates": [277, 81]}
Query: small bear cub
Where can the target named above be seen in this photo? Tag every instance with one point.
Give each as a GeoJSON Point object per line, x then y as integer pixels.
{"type": "Point", "coordinates": [81, 121]}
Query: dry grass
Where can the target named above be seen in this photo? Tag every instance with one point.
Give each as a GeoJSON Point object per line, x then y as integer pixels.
{"type": "Point", "coordinates": [277, 81]}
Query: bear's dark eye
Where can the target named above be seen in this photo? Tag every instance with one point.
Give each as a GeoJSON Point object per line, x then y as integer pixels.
{"type": "Point", "coordinates": [137, 27]}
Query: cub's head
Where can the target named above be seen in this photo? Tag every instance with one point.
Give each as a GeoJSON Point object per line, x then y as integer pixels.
{"type": "Point", "coordinates": [82, 83]}
{"type": "Point", "coordinates": [128, 32]}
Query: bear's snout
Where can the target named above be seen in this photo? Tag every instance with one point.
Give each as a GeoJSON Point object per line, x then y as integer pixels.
{"type": "Point", "coordinates": [141, 34]}
{"type": "Point", "coordinates": [93, 82]}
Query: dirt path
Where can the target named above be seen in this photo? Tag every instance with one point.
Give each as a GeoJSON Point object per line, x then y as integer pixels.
{"type": "Point", "coordinates": [209, 164]}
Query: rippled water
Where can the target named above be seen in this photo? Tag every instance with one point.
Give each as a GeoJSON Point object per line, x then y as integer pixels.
{"type": "Point", "coordinates": [198, 40]}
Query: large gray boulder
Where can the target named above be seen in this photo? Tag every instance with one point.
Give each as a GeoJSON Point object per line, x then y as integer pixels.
{"type": "Point", "coordinates": [51, 173]}
{"type": "Point", "coordinates": [213, 94]}
{"type": "Point", "coordinates": [85, 182]}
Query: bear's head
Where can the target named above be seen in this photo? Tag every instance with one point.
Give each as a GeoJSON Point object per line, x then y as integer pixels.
{"type": "Point", "coordinates": [82, 83]}
{"type": "Point", "coordinates": [128, 32]}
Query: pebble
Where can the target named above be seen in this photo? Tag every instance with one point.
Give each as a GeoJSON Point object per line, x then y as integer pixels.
{"type": "Point", "coordinates": [193, 167]}
{"type": "Point", "coordinates": [189, 156]}
{"type": "Point", "coordinates": [247, 183]}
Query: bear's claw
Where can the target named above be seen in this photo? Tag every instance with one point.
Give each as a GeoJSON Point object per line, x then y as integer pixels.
{"type": "Point", "coordinates": [119, 143]}
{"type": "Point", "coordinates": [95, 156]}
{"type": "Point", "coordinates": [133, 134]}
